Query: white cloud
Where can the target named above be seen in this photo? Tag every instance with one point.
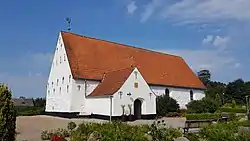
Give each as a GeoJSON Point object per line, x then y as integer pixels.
{"type": "Point", "coordinates": [202, 11]}
{"type": "Point", "coordinates": [150, 9]}
{"type": "Point", "coordinates": [131, 7]}
{"type": "Point", "coordinates": [208, 39]}
{"type": "Point", "coordinates": [221, 41]}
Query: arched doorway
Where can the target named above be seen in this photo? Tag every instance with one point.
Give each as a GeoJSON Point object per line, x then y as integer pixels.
{"type": "Point", "coordinates": [137, 109]}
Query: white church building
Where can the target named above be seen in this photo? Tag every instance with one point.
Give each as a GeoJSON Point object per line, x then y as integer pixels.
{"type": "Point", "coordinates": [90, 76]}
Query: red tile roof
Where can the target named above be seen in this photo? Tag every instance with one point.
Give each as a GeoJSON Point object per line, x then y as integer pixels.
{"type": "Point", "coordinates": [111, 82]}
{"type": "Point", "coordinates": [90, 58]}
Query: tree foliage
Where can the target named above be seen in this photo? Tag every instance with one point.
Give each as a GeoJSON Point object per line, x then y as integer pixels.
{"type": "Point", "coordinates": [166, 104]}
{"type": "Point", "coordinates": [205, 105]}
{"type": "Point", "coordinates": [204, 76]}
{"type": "Point", "coordinates": [7, 115]}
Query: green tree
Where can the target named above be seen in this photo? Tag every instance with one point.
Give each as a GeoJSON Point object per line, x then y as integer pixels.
{"type": "Point", "coordinates": [204, 76]}
{"type": "Point", "coordinates": [166, 104]}
{"type": "Point", "coordinates": [7, 115]}
{"type": "Point", "coordinates": [205, 105]}
{"type": "Point", "coordinates": [237, 90]}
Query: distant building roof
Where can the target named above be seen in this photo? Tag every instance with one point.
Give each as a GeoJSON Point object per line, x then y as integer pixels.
{"type": "Point", "coordinates": [23, 102]}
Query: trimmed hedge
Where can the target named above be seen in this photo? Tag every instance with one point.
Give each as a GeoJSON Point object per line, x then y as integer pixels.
{"type": "Point", "coordinates": [29, 111]}
{"type": "Point", "coordinates": [203, 116]}
{"type": "Point", "coordinates": [232, 110]}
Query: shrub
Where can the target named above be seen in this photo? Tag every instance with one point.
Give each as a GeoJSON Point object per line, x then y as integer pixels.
{"type": "Point", "coordinates": [166, 104]}
{"type": "Point", "coordinates": [160, 132]}
{"type": "Point", "coordinates": [48, 134]}
{"type": "Point", "coordinates": [233, 103]}
{"type": "Point", "coordinates": [120, 131]}
{"type": "Point", "coordinates": [205, 105]}
{"type": "Point", "coordinates": [71, 125]}
{"type": "Point", "coordinates": [203, 116]}
{"type": "Point", "coordinates": [7, 115]}
{"type": "Point", "coordinates": [29, 111]}
{"type": "Point", "coordinates": [223, 132]}
{"type": "Point", "coordinates": [232, 110]}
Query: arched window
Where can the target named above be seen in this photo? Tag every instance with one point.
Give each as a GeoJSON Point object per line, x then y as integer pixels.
{"type": "Point", "coordinates": [67, 88]}
{"type": "Point", "coordinates": [191, 95]}
{"type": "Point", "coordinates": [60, 90]}
{"type": "Point", "coordinates": [52, 84]}
{"type": "Point", "coordinates": [167, 92]}
{"type": "Point", "coordinates": [79, 87]}
{"type": "Point", "coordinates": [62, 80]}
{"type": "Point", "coordinates": [48, 92]}
{"type": "Point", "coordinates": [57, 81]}
{"type": "Point", "coordinates": [54, 90]}
{"type": "Point", "coordinates": [69, 78]}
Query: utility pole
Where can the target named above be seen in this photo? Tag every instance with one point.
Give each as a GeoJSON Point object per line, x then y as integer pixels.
{"type": "Point", "coordinates": [247, 104]}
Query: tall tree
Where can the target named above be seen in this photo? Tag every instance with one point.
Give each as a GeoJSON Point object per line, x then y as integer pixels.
{"type": "Point", "coordinates": [237, 90]}
{"type": "Point", "coordinates": [204, 76]}
{"type": "Point", "coordinates": [7, 115]}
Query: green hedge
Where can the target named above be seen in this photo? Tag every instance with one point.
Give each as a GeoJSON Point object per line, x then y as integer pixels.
{"type": "Point", "coordinates": [232, 110]}
{"type": "Point", "coordinates": [203, 116]}
{"type": "Point", "coordinates": [29, 111]}
{"type": "Point", "coordinates": [116, 131]}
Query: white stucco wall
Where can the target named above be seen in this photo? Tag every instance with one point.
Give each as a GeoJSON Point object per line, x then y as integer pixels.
{"type": "Point", "coordinates": [181, 95]}
{"type": "Point", "coordinates": [98, 105]}
{"type": "Point", "coordinates": [142, 92]}
{"type": "Point", "coordinates": [58, 98]}
{"type": "Point", "coordinates": [78, 100]}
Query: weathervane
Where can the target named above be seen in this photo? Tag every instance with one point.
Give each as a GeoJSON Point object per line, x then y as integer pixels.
{"type": "Point", "coordinates": [69, 21]}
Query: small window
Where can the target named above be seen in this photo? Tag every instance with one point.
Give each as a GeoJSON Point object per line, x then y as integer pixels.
{"type": "Point", "coordinates": [64, 57]}
{"type": "Point", "coordinates": [57, 81]}
{"type": "Point", "coordinates": [62, 80]}
{"type": "Point", "coordinates": [52, 84]}
{"type": "Point", "coordinates": [48, 92]}
{"type": "Point", "coordinates": [69, 78]}
{"type": "Point", "coordinates": [67, 88]}
{"type": "Point", "coordinates": [56, 49]}
{"type": "Point", "coordinates": [60, 59]}
{"type": "Point", "coordinates": [136, 85]}
{"type": "Point", "coordinates": [191, 95]}
{"type": "Point", "coordinates": [54, 90]}
{"type": "Point", "coordinates": [79, 87]}
{"type": "Point", "coordinates": [60, 90]}
{"type": "Point", "coordinates": [167, 92]}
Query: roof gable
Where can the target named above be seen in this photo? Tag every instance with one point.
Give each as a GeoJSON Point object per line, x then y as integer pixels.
{"type": "Point", "coordinates": [90, 58]}
{"type": "Point", "coordinates": [112, 82]}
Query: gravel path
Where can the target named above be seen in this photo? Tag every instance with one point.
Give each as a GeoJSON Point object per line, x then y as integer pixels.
{"type": "Point", "coordinates": [30, 127]}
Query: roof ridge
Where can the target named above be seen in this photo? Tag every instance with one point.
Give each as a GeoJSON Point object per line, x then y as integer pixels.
{"type": "Point", "coordinates": [93, 38]}
{"type": "Point", "coordinates": [131, 67]}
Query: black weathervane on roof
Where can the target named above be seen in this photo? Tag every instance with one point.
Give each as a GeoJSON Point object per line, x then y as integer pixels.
{"type": "Point", "coordinates": [69, 22]}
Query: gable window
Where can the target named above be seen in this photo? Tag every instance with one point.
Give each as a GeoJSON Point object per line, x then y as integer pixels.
{"type": "Point", "coordinates": [79, 87]}
{"type": "Point", "coordinates": [136, 84]}
{"type": "Point", "coordinates": [136, 74]}
{"type": "Point", "coordinates": [62, 80]}
{"type": "Point", "coordinates": [67, 88]}
{"type": "Point", "coordinates": [69, 77]}
{"type": "Point", "coordinates": [64, 57]}
{"type": "Point", "coordinates": [191, 95]}
{"type": "Point", "coordinates": [60, 59]}
{"type": "Point", "coordinates": [167, 92]}
{"type": "Point", "coordinates": [57, 81]}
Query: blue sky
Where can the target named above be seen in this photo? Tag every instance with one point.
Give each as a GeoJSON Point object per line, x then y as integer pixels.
{"type": "Point", "coordinates": [208, 34]}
